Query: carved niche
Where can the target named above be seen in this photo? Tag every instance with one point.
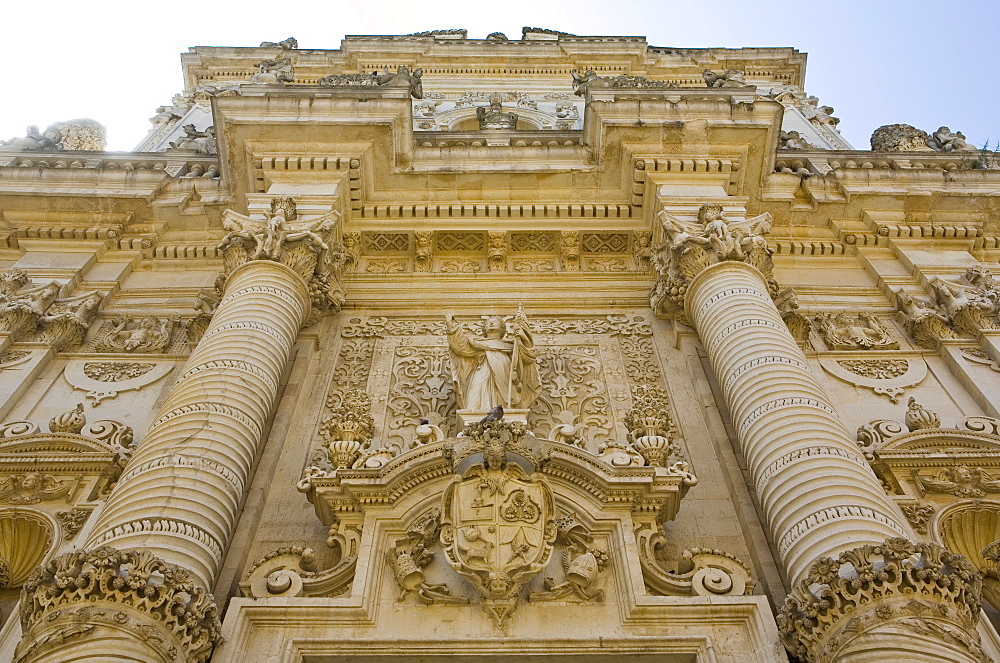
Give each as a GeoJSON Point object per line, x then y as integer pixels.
{"type": "Point", "coordinates": [946, 480]}
{"type": "Point", "coordinates": [50, 482]}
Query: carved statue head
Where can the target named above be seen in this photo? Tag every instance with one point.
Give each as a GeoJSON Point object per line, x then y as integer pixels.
{"type": "Point", "coordinates": [709, 212]}
{"type": "Point", "coordinates": [494, 327]}
{"type": "Point", "coordinates": [286, 206]}
{"type": "Point", "coordinates": [498, 583]}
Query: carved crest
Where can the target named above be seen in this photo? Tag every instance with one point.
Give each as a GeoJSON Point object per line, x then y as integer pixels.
{"type": "Point", "coordinates": [498, 526]}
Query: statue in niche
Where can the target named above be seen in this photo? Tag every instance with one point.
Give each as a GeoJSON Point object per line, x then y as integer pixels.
{"type": "Point", "coordinates": [495, 117]}
{"type": "Point", "coordinates": [492, 370]}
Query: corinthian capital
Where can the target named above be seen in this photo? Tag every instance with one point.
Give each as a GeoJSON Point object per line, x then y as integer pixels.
{"type": "Point", "coordinates": [688, 248]}
{"type": "Point", "coordinates": [307, 247]}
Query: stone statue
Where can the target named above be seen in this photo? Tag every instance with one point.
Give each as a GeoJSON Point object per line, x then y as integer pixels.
{"type": "Point", "coordinates": [900, 138]}
{"type": "Point", "coordinates": [34, 141]}
{"type": "Point", "coordinates": [728, 78]}
{"type": "Point", "coordinates": [274, 72]}
{"type": "Point", "coordinates": [400, 78]}
{"type": "Point", "coordinates": [925, 324]}
{"type": "Point", "coordinates": [945, 140]}
{"type": "Point", "coordinates": [591, 81]}
{"type": "Point", "coordinates": [286, 44]}
{"type": "Point", "coordinates": [792, 140]}
{"type": "Point", "coordinates": [495, 117]}
{"type": "Point", "coordinates": [127, 334]}
{"type": "Point", "coordinates": [202, 142]}
{"type": "Point", "coordinates": [493, 371]}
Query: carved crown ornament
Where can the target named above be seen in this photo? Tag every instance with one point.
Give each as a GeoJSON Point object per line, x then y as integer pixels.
{"type": "Point", "coordinates": [897, 589]}
{"type": "Point", "coordinates": [688, 248]}
{"type": "Point", "coordinates": [307, 247]}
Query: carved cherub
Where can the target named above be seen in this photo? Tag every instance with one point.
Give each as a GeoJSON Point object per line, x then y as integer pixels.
{"type": "Point", "coordinates": [149, 335]}
{"type": "Point", "coordinates": [946, 140]}
{"type": "Point", "coordinates": [728, 78]}
{"type": "Point", "coordinates": [267, 239]}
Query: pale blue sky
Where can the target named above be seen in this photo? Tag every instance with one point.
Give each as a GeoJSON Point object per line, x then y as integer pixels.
{"type": "Point", "coordinates": [876, 62]}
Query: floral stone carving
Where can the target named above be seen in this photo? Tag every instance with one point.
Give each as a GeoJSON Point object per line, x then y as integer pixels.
{"type": "Point", "coordinates": [650, 426]}
{"type": "Point", "coordinates": [690, 248]}
{"type": "Point", "coordinates": [498, 525]}
{"type": "Point", "coordinates": [348, 429]}
{"type": "Point", "coordinates": [305, 247]}
{"type": "Point", "coordinates": [589, 81]}
{"type": "Point", "coordinates": [85, 593]}
{"type": "Point", "coordinates": [920, 589]}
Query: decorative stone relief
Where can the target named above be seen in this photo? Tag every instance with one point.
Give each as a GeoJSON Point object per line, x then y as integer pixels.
{"type": "Point", "coordinates": [847, 331]}
{"type": "Point", "coordinates": [498, 520]}
{"type": "Point", "coordinates": [792, 140]}
{"type": "Point", "coordinates": [918, 515]}
{"type": "Point", "coordinates": [460, 266]}
{"type": "Point", "coordinates": [348, 429]}
{"type": "Point", "coordinates": [408, 557]}
{"type": "Point", "coordinates": [424, 251]}
{"type": "Point", "coordinates": [886, 377]}
{"type": "Point", "coordinates": [699, 571]}
{"type": "Point", "coordinates": [107, 590]}
{"type": "Point", "coordinates": [569, 250]}
{"type": "Point", "coordinates": [498, 250]}
{"type": "Point", "coordinates": [421, 389]}
{"type": "Point", "coordinates": [274, 72]}
{"type": "Point", "coordinates": [305, 247]}
{"type": "Point", "coordinates": [148, 334]}
{"type": "Point", "coordinates": [35, 313]}
{"type": "Point", "coordinates": [978, 356]}
{"type": "Point", "coordinates": [688, 249]}
{"type": "Point", "coordinates": [401, 78]}
{"type": "Point", "coordinates": [292, 571]}
{"type": "Point", "coordinates": [728, 78]}
{"type": "Point", "coordinates": [106, 379]}
{"type": "Point", "coordinates": [919, 418]}
{"type": "Point", "coordinates": [73, 520]}
{"type": "Point", "coordinates": [887, 590]}
{"type": "Point", "coordinates": [532, 242]}
{"type": "Point", "coordinates": [495, 118]}
{"type": "Point", "coordinates": [959, 480]}
{"type": "Point", "coordinates": [650, 426]}
{"type": "Point", "coordinates": [590, 81]}
{"type": "Point", "coordinates": [582, 564]}
{"type": "Point", "coordinates": [574, 401]}
{"type": "Point", "coordinates": [924, 323]}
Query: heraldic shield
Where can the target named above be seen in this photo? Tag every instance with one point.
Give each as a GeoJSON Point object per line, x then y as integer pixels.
{"type": "Point", "coordinates": [498, 530]}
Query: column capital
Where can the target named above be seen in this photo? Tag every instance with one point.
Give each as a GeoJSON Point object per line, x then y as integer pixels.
{"type": "Point", "coordinates": [689, 247]}
{"type": "Point", "coordinates": [75, 604]}
{"type": "Point", "coordinates": [880, 600]}
{"type": "Point", "coordinates": [306, 247]}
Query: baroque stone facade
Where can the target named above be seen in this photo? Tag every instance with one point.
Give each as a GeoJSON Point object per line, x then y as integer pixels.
{"type": "Point", "coordinates": [554, 347]}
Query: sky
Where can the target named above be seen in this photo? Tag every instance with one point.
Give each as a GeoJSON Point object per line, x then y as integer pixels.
{"type": "Point", "coordinates": [876, 62]}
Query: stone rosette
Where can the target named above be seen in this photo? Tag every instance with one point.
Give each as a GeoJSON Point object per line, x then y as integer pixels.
{"type": "Point", "coordinates": [898, 585]}
{"type": "Point", "coordinates": [81, 594]}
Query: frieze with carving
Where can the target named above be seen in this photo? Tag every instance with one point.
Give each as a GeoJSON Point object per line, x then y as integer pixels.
{"type": "Point", "coordinates": [589, 81]}
{"type": "Point", "coordinates": [402, 78]}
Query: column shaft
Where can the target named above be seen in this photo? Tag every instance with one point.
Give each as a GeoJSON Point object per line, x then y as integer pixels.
{"type": "Point", "coordinates": [180, 493]}
{"type": "Point", "coordinates": [818, 494]}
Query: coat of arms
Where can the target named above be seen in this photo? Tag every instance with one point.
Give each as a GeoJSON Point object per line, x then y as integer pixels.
{"type": "Point", "coordinates": [498, 523]}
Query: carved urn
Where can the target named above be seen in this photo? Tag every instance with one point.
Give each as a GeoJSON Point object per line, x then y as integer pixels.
{"type": "Point", "coordinates": [654, 449]}
{"type": "Point", "coordinates": [343, 453]}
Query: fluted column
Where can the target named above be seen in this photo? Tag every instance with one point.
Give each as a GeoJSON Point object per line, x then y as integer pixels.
{"type": "Point", "coordinates": [817, 491]}
{"type": "Point", "coordinates": [180, 494]}
{"type": "Point", "coordinates": [138, 590]}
